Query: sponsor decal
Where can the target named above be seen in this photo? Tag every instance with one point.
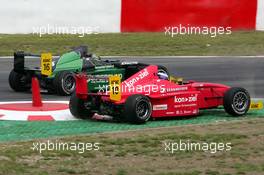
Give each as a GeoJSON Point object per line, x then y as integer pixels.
{"type": "Point", "coordinates": [195, 111]}
{"type": "Point", "coordinates": [100, 78]}
{"type": "Point", "coordinates": [178, 112]}
{"type": "Point", "coordinates": [185, 105]}
{"type": "Point", "coordinates": [142, 74]}
{"type": "Point", "coordinates": [185, 99]}
{"type": "Point", "coordinates": [169, 113]}
{"type": "Point", "coordinates": [160, 107]}
{"type": "Point", "coordinates": [177, 89]}
{"type": "Point", "coordinates": [129, 63]}
{"type": "Point", "coordinates": [104, 67]}
{"type": "Point", "coordinates": [256, 105]}
{"type": "Point", "coordinates": [188, 112]}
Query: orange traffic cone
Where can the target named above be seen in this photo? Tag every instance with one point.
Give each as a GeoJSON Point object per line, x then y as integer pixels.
{"type": "Point", "coordinates": [36, 97]}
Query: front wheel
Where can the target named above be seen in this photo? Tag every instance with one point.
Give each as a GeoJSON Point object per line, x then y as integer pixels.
{"type": "Point", "coordinates": [236, 101]}
{"type": "Point", "coordinates": [79, 108]}
{"type": "Point", "coordinates": [138, 109]}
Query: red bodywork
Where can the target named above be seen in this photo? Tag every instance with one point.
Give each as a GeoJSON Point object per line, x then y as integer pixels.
{"type": "Point", "coordinates": [167, 98]}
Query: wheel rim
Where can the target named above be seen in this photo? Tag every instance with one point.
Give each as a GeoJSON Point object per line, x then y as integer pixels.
{"type": "Point", "coordinates": [142, 109]}
{"type": "Point", "coordinates": [240, 102]}
{"type": "Point", "coordinates": [68, 84]}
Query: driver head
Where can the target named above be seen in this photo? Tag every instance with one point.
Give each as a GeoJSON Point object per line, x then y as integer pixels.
{"type": "Point", "coordinates": [163, 76]}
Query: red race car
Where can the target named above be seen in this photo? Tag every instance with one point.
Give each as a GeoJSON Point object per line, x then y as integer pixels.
{"type": "Point", "coordinates": [150, 94]}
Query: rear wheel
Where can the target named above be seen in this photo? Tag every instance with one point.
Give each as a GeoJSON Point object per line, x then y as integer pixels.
{"type": "Point", "coordinates": [18, 82]}
{"type": "Point", "coordinates": [79, 108]}
{"type": "Point", "coordinates": [64, 83]}
{"type": "Point", "coordinates": [138, 109]}
{"type": "Point", "coordinates": [236, 101]}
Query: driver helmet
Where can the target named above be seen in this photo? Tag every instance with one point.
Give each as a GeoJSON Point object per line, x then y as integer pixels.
{"type": "Point", "coordinates": [163, 76]}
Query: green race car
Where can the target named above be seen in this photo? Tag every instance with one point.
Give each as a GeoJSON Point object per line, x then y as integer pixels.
{"type": "Point", "coordinates": [62, 80]}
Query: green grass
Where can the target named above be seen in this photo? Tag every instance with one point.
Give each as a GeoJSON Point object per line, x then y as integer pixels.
{"type": "Point", "coordinates": [23, 130]}
{"type": "Point", "coordinates": [238, 43]}
{"type": "Point", "coordinates": [142, 152]}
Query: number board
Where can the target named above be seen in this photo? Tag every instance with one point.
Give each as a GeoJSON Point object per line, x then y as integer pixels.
{"type": "Point", "coordinates": [115, 87]}
{"type": "Point", "coordinates": [46, 64]}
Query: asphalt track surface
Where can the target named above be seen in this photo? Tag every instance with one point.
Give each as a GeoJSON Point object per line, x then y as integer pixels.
{"type": "Point", "coordinates": [245, 72]}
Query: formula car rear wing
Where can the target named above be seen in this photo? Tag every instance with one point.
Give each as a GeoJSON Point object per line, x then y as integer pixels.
{"type": "Point", "coordinates": [19, 61]}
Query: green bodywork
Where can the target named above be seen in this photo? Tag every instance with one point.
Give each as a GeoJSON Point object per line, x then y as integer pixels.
{"type": "Point", "coordinates": [68, 62]}
{"type": "Point", "coordinates": [98, 76]}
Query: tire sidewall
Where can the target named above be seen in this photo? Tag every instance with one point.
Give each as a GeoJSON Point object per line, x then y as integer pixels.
{"type": "Point", "coordinates": [78, 109]}
{"type": "Point", "coordinates": [14, 80]}
{"type": "Point", "coordinates": [147, 102]}
{"type": "Point", "coordinates": [229, 101]}
{"type": "Point", "coordinates": [59, 83]}
{"type": "Point", "coordinates": [68, 75]}
{"type": "Point", "coordinates": [131, 105]}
